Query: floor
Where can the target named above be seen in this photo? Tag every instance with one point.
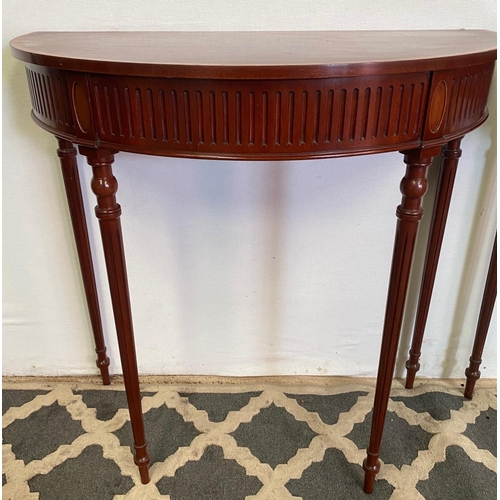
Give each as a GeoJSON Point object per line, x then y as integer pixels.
{"type": "Point", "coordinates": [232, 439]}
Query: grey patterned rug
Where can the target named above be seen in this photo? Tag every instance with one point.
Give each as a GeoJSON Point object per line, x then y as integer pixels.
{"type": "Point", "coordinates": [254, 441]}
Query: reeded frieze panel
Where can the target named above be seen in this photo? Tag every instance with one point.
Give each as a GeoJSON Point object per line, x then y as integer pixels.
{"type": "Point", "coordinates": [50, 97]}
{"type": "Point", "coordinates": [468, 96]}
{"type": "Point", "coordinates": [256, 117]}
{"type": "Point", "coordinates": [457, 99]}
{"type": "Point", "coordinates": [259, 117]}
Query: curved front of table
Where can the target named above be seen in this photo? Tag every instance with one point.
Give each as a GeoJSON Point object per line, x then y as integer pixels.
{"type": "Point", "coordinates": [253, 113]}
{"type": "Point", "coordinates": [260, 119]}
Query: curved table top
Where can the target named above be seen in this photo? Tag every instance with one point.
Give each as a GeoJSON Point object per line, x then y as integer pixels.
{"type": "Point", "coordinates": [259, 95]}
{"type": "Point", "coordinates": [257, 54]}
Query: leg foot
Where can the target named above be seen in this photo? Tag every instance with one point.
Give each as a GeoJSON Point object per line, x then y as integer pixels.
{"type": "Point", "coordinates": [473, 374]}
{"type": "Point", "coordinates": [142, 461]}
{"type": "Point", "coordinates": [371, 470]}
{"type": "Point", "coordinates": [412, 367]}
{"type": "Point", "coordinates": [103, 364]}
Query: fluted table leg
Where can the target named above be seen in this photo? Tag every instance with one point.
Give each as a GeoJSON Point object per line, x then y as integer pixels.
{"type": "Point", "coordinates": [69, 167]}
{"type": "Point", "coordinates": [104, 186]}
{"type": "Point", "coordinates": [413, 187]}
{"type": "Point", "coordinates": [490, 294]}
{"type": "Point", "coordinates": [451, 155]}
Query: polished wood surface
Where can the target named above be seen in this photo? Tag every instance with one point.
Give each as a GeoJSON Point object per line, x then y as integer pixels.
{"type": "Point", "coordinates": [450, 156]}
{"type": "Point", "coordinates": [261, 96]}
{"type": "Point", "coordinates": [472, 372]}
{"type": "Point", "coordinates": [69, 168]}
{"type": "Point", "coordinates": [256, 54]}
{"type": "Point", "coordinates": [104, 185]}
{"type": "Point", "coordinates": [378, 105]}
{"type": "Point", "coordinates": [409, 213]}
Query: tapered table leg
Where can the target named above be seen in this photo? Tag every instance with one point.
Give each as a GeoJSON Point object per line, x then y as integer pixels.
{"type": "Point", "coordinates": [451, 155]}
{"type": "Point", "coordinates": [104, 186]}
{"type": "Point", "coordinates": [490, 294]}
{"type": "Point", "coordinates": [409, 213]}
{"type": "Point", "coordinates": [69, 167]}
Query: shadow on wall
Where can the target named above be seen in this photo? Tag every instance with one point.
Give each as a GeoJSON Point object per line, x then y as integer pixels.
{"type": "Point", "coordinates": [16, 93]}
{"type": "Point", "coordinates": [229, 261]}
{"type": "Point", "coordinates": [478, 251]}
{"type": "Point", "coordinates": [272, 276]}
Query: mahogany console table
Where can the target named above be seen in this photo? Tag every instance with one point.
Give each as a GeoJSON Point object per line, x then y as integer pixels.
{"type": "Point", "coordinates": [258, 96]}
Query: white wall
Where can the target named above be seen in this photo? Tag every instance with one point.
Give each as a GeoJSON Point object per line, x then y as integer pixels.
{"type": "Point", "coordinates": [237, 268]}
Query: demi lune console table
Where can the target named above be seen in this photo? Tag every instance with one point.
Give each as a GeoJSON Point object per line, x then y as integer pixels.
{"type": "Point", "coordinates": [259, 96]}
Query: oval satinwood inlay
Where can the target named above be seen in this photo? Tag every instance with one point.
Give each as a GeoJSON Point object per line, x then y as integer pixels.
{"type": "Point", "coordinates": [81, 107]}
{"type": "Point", "coordinates": [437, 106]}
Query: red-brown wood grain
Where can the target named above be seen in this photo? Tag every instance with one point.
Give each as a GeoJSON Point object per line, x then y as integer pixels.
{"type": "Point", "coordinates": [256, 54]}
{"type": "Point", "coordinates": [384, 91]}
